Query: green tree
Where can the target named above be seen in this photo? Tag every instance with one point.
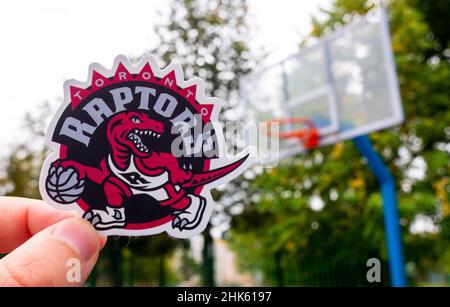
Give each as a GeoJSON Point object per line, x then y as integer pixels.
{"type": "Point", "coordinates": [435, 14]}
{"type": "Point", "coordinates": [209, 39]}
{"type": "Point", "coordinates": [283, 223]}
{"type": "Point", "coordinates": [23, 162]}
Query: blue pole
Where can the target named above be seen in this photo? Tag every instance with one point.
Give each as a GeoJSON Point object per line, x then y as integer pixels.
{"type": "Point", "coordinates": [391, 219]}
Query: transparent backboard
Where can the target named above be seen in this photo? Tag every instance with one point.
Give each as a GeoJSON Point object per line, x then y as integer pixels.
{"type": "Point", "coordinates": [345, 84]}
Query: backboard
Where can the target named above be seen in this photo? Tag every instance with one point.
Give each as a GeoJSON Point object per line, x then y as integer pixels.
{"type": "Point", "coordinates": [345, 84]}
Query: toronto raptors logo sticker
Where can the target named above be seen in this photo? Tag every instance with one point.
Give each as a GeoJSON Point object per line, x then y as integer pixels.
{"type": "Point", "coordinates": [136, 151]}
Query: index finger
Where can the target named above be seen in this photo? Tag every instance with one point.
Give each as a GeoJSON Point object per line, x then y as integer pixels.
{"type": "Point", "coordinates": [21, 218]}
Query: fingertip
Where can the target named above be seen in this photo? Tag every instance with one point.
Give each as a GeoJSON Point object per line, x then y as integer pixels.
{"type": "Point", "coordinates": [43, 259]}
{"type": "Point", "coordinates": [80, 235]}
{"type": "Point", "coordinates": [103, 240]}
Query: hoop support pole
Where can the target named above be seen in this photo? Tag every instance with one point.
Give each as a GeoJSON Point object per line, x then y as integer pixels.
{"type": "Point", "coordinates": [390, 210]}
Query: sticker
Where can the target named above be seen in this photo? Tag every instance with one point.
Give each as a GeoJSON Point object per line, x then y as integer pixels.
{"type": "Point", "coordinates": [136, 151]}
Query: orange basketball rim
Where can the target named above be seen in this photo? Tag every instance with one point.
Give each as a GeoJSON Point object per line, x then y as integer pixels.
{"type": "Point", "coordinates": [308, 134]}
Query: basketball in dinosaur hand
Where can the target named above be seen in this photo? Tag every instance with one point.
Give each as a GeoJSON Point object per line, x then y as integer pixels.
{"type": "Point", "coordinates": [64, 185]}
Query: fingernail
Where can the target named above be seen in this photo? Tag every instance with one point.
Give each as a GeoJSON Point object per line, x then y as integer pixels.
{"type": "Point", "coordinates": [79, 235]}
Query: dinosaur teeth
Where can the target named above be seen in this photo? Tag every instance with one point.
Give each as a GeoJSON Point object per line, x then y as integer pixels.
{"type": "Point", "coordinates": [144, 132]}
{"type": "Point", "coordinates": [137, 140]}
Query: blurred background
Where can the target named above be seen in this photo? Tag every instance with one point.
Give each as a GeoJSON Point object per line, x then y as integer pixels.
{"type": "Point", "coordinates": [314, 220]}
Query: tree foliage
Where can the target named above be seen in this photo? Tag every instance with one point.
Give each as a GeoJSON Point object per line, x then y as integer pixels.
{"type": "Point", "coordinates": [284, 229]}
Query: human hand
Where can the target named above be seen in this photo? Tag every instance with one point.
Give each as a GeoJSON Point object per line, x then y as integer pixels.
{"type": "Point", "coordinates": [41, 241]}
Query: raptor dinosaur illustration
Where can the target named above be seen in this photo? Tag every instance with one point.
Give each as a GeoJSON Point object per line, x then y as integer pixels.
{"type": "Point", "coordinates": [135, 167]}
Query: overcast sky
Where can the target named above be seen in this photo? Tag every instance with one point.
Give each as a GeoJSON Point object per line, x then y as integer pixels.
{"type": "Point", "coordinates": [46, 42]}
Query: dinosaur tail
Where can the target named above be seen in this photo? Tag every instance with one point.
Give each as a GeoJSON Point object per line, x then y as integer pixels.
{"type": "Point", "coordinates": [213, 175]}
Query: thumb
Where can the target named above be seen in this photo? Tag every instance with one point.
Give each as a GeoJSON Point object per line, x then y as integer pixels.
{"type": "Point", "coordinates": [61, 255]}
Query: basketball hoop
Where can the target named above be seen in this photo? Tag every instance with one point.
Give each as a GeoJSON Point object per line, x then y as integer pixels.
{"type": "Point", "coordinates": [308, 135]}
